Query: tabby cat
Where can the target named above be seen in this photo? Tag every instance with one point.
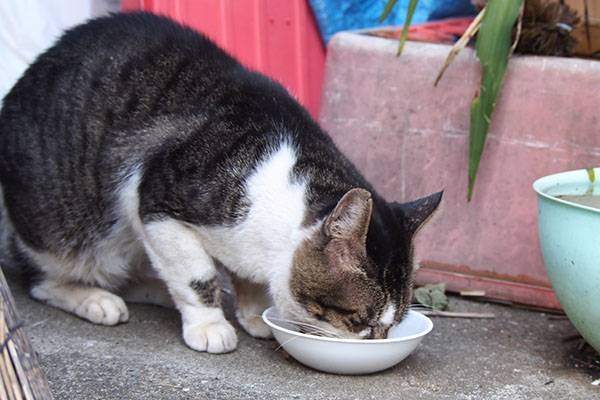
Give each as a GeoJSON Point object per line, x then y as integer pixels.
{"type": "Point", "coordinates": [136, 147]}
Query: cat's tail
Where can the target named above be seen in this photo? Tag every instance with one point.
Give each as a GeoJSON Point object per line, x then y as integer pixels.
{"type": "Point", "coordinates": [13, 260]}
{"type": "Point", "coordinates": [7, 233]}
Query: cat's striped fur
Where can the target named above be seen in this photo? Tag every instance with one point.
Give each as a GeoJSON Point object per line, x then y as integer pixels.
{"type": "Point", "coordinates": [135, 145]}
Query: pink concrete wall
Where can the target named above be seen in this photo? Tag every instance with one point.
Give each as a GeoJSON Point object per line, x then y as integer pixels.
{"type": "Point", "coordinates": [410, 139]}
{"type": "Point", "coordinates": [278, 38]}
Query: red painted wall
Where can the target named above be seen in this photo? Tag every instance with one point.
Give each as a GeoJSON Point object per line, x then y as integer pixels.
{"type": "Point", "coordinates": [278, 38]}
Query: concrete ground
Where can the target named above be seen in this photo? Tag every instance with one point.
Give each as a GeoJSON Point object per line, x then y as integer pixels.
{"type": "Point", "coordinates": [520, 354]}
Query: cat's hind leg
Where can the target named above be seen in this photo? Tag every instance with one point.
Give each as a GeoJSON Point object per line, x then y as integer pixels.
{"type": "Point", "coordinates": [252, 299]}
{"type": "Point", "coordinates": [73, 283]}
{"type": "Point", "coordinates": [177, 254]}
{"type": "Point", "coordinates": [94, 304]}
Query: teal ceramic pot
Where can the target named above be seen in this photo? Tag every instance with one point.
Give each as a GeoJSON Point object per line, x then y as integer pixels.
{"type": "Point", "coordinates": [570, 241]}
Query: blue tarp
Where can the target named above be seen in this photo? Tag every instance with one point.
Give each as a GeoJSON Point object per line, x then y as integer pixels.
{"type": "Point", "coordinates": [340, 15]}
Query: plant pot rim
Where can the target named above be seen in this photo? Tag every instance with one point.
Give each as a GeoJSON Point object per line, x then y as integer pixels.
{"type": "Point", "coordinates": [567, 180]}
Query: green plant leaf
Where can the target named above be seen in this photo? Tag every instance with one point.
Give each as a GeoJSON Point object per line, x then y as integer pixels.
{"type": "Point", "coordinates": [388, 9]}
{"type": "Point", "coordinates": [493, 48]}
{"type": "Point", "coordinates": [409, 14]}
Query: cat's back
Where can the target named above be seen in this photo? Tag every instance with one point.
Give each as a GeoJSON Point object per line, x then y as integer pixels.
{"type": "Point", "coordinates": [108, 86]}
{"type": "Point", "coordinates": [91, 108]}
{"type": "Point", "coordinates": [138, 92]}
{"type": "Point", "coordinates": [120, 56]}
{"type": "Point", "coordinates": [129, 37]}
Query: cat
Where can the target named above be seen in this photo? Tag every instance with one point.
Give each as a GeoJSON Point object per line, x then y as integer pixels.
{"type": "Point", "coordinates": [135, 146]}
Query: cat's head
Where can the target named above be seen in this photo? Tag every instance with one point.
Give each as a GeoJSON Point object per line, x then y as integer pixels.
{"type": "Point", "coordinates": [354, 277]}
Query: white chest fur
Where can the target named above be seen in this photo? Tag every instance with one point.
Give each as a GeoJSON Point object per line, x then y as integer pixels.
{"type": "Point", "coordinates": [261, 248]}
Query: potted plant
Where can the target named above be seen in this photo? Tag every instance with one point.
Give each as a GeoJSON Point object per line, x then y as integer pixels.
{"type": "Point", "coordinates": [569, 226]}
{"type": "Point", "coordinates": [410, 137]}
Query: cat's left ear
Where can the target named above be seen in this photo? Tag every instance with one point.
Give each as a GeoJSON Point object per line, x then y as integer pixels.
{"type": "Point", "coordinates": [417, 212]}
{"type": "Point", "coordinates": [347, 227]}
{"type": "Point", "coordinates": [350, 218]}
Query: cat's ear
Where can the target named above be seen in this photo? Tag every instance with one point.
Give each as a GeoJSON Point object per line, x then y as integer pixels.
{"type": "Point", "coordinates": [351, 216]}
{"type": "Point", "coordinates": [347, 227]}
{"type": "Point", "coordinates": [417, 212]}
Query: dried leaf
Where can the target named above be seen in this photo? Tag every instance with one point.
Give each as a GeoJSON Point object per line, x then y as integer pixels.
{"type": "Point", "coordinates": [461, 44]}
{"type": "Point", "coordinates": [591, 174]}
{"type": "Point", "coordinates": [432, 295]}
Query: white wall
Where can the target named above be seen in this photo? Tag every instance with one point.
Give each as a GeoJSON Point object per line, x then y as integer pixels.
{"type": "Point", "coordinates": [29, 26]}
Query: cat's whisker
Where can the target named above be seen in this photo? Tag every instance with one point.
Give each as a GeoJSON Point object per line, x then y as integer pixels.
{"type": "Point", "coordinates": [417, 307]}
{"type": "Point", "coordinates": [286, 342]}
{"type": "Point", "coordinates": [309, 328]}
{"type": "Point", "coordinates": [313, 329]}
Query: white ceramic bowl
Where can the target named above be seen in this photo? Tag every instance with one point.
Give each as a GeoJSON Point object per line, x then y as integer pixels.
{"type": "Point", "coordinates": [350, 356]}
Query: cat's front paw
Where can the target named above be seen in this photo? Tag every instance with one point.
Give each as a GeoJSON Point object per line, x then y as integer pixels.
{"type": "Point", "coordinates": [254, 325]}
{"type": "Point", "coordinates": [216, 337]}
{"type": "Point", "coordinates": [104, 308]}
